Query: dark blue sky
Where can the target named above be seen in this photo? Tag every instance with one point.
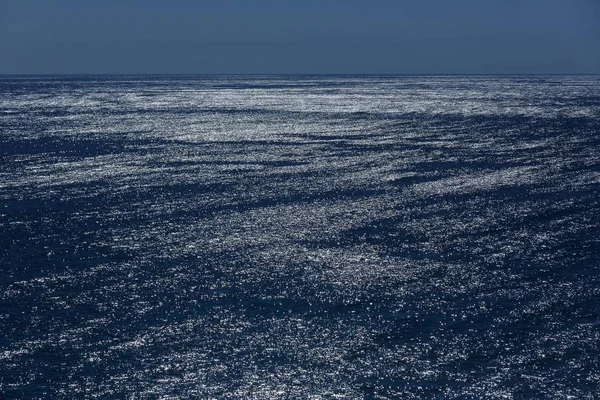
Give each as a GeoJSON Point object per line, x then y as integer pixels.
{"type": "Point", "coordinates": [308, 36]}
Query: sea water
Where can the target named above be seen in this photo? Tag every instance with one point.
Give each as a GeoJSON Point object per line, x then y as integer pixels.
{"type": "Point", "coordinates": [265, 237]}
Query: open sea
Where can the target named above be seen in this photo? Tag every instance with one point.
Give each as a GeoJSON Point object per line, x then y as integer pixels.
{"type": "Point", "coordinates": [300, 237]}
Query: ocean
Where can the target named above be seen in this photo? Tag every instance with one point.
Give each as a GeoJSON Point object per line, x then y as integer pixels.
{"type": "Point", "coordinates": [309, 237]}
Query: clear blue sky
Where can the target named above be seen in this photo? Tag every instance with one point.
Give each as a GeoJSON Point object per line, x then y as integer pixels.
{"type": "Point", "coordinates": [301, 36]}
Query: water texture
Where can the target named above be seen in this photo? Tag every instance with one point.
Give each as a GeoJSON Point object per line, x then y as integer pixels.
{"type": "Point", "coordinates": [273, 237]}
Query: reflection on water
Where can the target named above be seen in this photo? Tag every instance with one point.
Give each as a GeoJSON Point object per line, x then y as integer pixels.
{"type": "Point", "coordinates": [288, 237]}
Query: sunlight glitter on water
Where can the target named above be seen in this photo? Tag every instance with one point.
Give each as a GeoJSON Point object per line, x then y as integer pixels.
{"type": "Point", "coordinates": [271, 237]}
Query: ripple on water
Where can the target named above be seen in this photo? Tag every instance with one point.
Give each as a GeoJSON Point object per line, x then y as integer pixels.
{"type": "Point", "coordinates": [318, 237]}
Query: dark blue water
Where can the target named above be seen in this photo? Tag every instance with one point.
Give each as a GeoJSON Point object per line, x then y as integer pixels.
{"type": "Point", "coordinates": [300, 237]}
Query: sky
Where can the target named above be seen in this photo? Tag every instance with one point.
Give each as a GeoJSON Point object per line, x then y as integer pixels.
{"type": "Point", "coordinates": [299, 37]}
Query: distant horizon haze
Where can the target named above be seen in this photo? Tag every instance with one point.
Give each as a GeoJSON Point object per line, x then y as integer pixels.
{"type": "Point", "coordinates": [429, 37]}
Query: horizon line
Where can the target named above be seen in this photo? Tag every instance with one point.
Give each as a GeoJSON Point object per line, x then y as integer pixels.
{"type": "Point", "coordinates": [302, 74]}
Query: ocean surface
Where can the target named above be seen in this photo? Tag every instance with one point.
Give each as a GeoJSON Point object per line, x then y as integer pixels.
{"type": "Point", "coordinates": [300, 237]}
